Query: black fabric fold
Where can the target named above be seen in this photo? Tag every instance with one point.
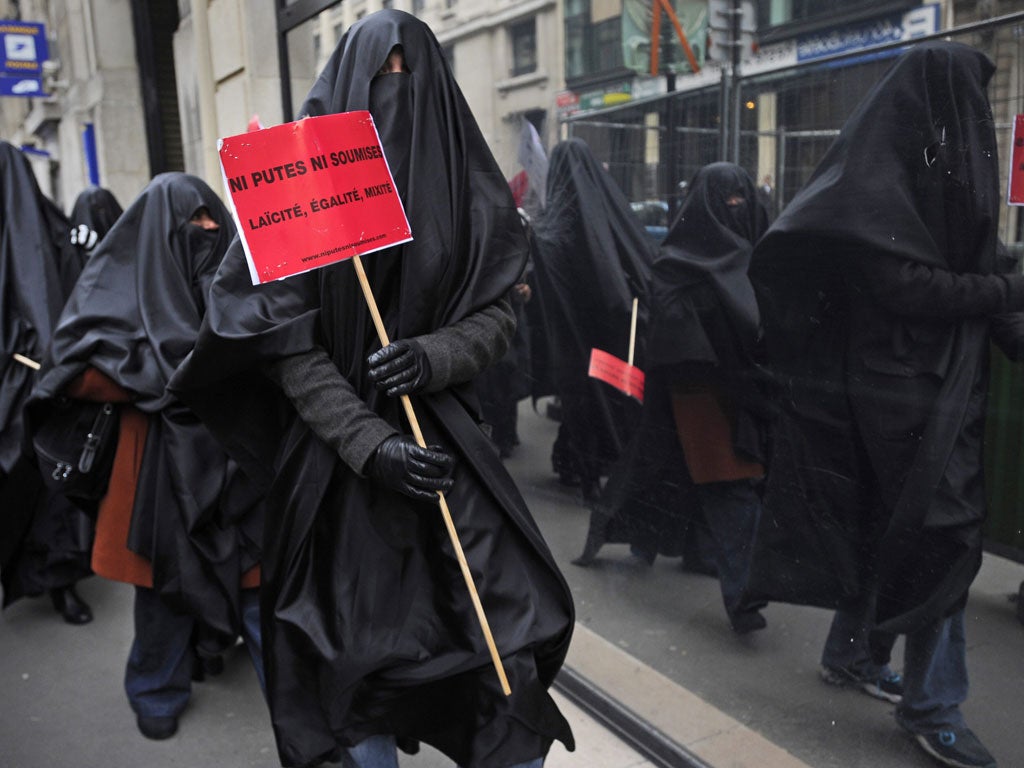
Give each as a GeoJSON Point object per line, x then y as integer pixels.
{"type": "Point", "coordinates": [46, 538]}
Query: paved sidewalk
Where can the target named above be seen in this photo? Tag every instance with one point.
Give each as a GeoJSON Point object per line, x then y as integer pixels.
{"type": "Point", "coordinates": [656, 639]}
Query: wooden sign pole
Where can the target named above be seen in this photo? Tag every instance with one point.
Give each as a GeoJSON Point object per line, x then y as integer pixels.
{"type": "Point", "coordinates": [632, 331]}
{"type": "Point", "coordinates": [26, 361]}
{"type": "Point", "coordinates": [453, 535]}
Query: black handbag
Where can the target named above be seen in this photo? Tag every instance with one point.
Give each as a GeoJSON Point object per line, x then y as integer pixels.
{"type": "Point", "coordinates": [75, 442]}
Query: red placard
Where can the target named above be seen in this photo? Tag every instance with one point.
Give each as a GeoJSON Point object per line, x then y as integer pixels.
{"type": "Point", "coordinates": [1015, 191]}
{"type": "Point", "coordinates": [311, 193]}
{"type": "Point", "coordinates": [620, 374]}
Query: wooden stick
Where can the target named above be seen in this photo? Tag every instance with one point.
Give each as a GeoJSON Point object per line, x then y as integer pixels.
{"type": "Point", "coordinates": [27, 361]}
{"type": "Point", "coordinates": [453, 535]}
{"type": "Point", "coordinates": [632, 331]}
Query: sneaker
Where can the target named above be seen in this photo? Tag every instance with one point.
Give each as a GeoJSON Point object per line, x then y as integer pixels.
{"type": "Point", "coordinates": [887, 687]}
{"type": "Point", "coordinates": [960, 749]}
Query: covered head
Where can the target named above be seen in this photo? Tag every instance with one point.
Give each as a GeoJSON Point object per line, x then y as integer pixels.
{"type": "Point", "coordinates": [914, 170]}
{"type": "Point", "coordinates": [710, 245]}
{"type": "Point", "coordinates": [138, 305]}
{"type": "Point", "coordinates": [587, 214]}
{"type": "Point", "coordinates": [459, 206]}
{"type": "Point", "coordinates": [93, 214]}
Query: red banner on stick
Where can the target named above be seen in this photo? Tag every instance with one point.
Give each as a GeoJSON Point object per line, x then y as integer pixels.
{"type": "Point", "coordinates": [1015, 193]}
{"type": "Point", "coordinates": [311, 193]}
{"type": "Point", "coordinates": [620, 374]}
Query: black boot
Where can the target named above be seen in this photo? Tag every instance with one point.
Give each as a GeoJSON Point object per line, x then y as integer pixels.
{"type": "Point", "coordinates": [70, 605]}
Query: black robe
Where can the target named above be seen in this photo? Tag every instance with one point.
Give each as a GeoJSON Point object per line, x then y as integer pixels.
{"type": "Point", "coordinates": [134, 316]}
{"type": "Point", "coordinates": [44, 540]}
{"type": "Point", "coordinates": [876, 287]}
{"type": "Point", "coordinates": [367, 624]}
{"type": "Point", "coordinates": [704, 330]}
{"type": "Point", "coordinates": [593, 259]}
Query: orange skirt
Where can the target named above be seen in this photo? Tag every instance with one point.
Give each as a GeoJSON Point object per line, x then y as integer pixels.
{"type": "Point", "coordinates": [705, 432]}
{"type": "Point", "coordinates": [111, 557]}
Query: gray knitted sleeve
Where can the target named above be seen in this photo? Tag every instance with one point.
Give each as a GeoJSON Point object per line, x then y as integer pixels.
{"type": "Point", "coordinates": [327, 402]}
{"type": "Point", "coordinates": [460, 351]}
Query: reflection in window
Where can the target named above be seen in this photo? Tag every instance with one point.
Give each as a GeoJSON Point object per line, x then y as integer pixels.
{"type": "Point", "coordinates": [524, 47]}
{"type": "Point", "coordinates": [577, 16]}
{"type": "Point", "coordinates": [607, 47]}
{"type": "Point", "coordinates": [591, 47]}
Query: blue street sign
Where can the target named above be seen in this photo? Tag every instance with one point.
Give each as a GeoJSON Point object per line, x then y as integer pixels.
{"type": "Point", "coordinates": [24, 48]}
{"type": "Point", "coordinates": [20, 86]}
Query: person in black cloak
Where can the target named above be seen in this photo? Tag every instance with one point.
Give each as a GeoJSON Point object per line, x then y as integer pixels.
{"type": "Point", "coordinates": [593, 259]}
{"type": "Point", "coordinates": [880, 289]}
{"type": "Point", "coordinates": [93, 214]}
{"type": "Point", "coordinates": [369, 632]}
{"type": "Point", "coordinates": [44, 539]}
{"type": "Point", "coordinates": [179, 521]}
{"type": "Point", "coordinates": [704, 378]}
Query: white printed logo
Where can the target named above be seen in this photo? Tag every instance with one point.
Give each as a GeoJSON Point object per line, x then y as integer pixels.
{"type": "Point", "coordinates": [20, 47]}
{"type": "Point", "coordinates": [83, 236]}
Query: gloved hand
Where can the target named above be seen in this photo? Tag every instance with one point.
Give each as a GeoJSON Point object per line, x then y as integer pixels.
{"type": "Point", "coordinates": [400, 368]}
{"type": "Point", "coordinates": [400, 464]}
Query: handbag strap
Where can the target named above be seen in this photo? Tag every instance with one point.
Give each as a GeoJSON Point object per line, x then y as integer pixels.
{"type": "Point", "coordinates": [99, 430]}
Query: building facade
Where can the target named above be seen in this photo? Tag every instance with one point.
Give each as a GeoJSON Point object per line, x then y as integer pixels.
{"type": "Point", "coordinates": [137, 87]}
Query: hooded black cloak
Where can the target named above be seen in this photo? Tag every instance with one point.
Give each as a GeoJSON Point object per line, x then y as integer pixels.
{"type": "Point", "coordinates": [134, 315]}
{"type": "Point", "coordinates": [876, 288]}
{"type": "Point", "coordinates": [93, 214]}
{"type": "Point", "coordinates": [367, 624]}
{"type": "Point", "coordinates": [44, 538]}
{"type": "Point", "coordinates": [37, 273]}
{"type": "Point", "coordinates": [593, 259]}
{"type": "Point", "coordinates": [704, 328]}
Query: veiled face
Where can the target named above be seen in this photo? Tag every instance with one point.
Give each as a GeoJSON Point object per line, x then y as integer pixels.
{"type": "Point", "coordinates": [394, 63]}
{"type": "Point", "coordinates": [202, 218]}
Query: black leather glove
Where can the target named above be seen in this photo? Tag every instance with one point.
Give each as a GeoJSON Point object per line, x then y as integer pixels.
{"type": "Point", "coordinates": [400, 368]}
{"type": "Point", "coordinates": [400, 464]}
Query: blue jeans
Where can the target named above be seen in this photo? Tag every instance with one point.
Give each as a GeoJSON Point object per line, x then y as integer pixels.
{"type": "Point", "coordinates": [732, 510]}
{"type": "Point", "coordinates": [934, 668]}
{"type": "Point", "coordinates": [158, 678]}
{"type": "Point", "coordinates": [381, 752]}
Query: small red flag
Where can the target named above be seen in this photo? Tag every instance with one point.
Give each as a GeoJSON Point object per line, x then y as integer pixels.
{"type": "Point", "coordinates": [618, 373]}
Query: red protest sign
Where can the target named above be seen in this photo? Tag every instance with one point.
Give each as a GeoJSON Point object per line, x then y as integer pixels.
{"type": "Point", "coordinates": [620, 374]}
{"type": "Point", "coordinates": [311, 193]}
{"type": "Point", "coordinates": [1015, 192]}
